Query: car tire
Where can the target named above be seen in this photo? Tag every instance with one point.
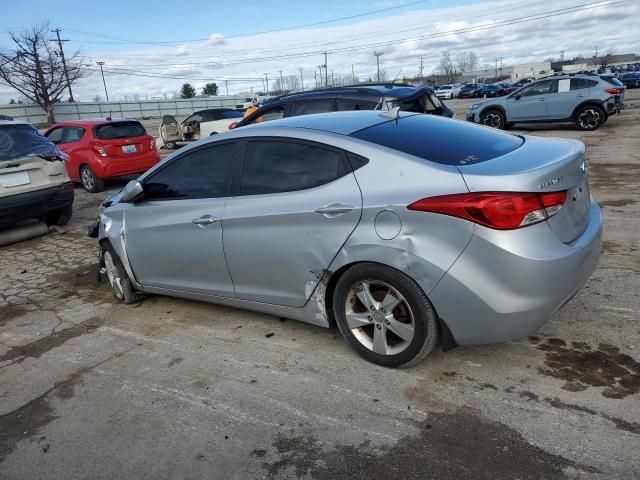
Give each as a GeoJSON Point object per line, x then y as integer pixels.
{"type": "Point", "coordinates": [509, 125]}
{"type": "Point", "coordinates": [171, 145]}
{"type": "Point", "coordinates": [90, 180]}
{"type": "Point", "coordinates": [118, 278]}
{"type": "Point", "coordinates": [493, 118]}
{"type": "Point", "coordinates": [398, 337]}
{"type": "Point", "coordinates": [589, 117]}
{"type": "Point", "coordinates": [59, 217]}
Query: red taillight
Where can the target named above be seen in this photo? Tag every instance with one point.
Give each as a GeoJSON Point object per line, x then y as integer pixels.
{"type": "Point", "coordinates": [614, 91]}
{"type": "Point", "coordinates": [499, 210]}
{"type": "Point", "coordinates": [98, 147]}
{"type": "Point", "coordinates": [152, 144]}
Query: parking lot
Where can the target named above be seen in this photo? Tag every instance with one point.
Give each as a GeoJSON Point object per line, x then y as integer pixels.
{"type": "Point", "coordinates": [169, 388]}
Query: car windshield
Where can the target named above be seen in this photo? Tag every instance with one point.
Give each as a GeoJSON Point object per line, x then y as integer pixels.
{"type": "Point", "coordinates": [22, 140]}
{"type": "Point", "coordinates": [112, 131]}
{"type": "Point", "coordinates": [430, 138]}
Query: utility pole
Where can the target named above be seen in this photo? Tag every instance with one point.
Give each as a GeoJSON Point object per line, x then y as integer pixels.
{"type": "Point", "coordinates": [333, 82]}
{"type": "Point", "coordinates": [326, 71]}
{"type": "Point", "coordinates": [595, 55]}
{"type": "Point", "coordinates": [320, 69]}
{"type": "Point", "coordinates": [266, 81]}
{"type": "Point", "coordinates": [501, 58]}
{"type": "Point", "coordinates": [315, 78]}
{"type": "Point", "coordinates": [226, 84]}
{"type": "Point", "coordinates": [421, 69]}
{"type": "Point", "coordinates": [301, 79]}
{"type": "Point", "coordinates": [377, 54]}
{"type": "Point", "coordinates": [353, 74]}
{"type": "Point", "coordinates": [64, 63]}
{"type": "Point", "coordinates": [103, 82]}
{"type": "Point", "coordinates": [281, 82]}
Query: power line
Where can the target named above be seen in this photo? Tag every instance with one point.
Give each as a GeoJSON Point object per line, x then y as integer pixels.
{"type": "Point", "coordinates": [503, 23]}
{"type": "Point", "coordinates": [297, 27]}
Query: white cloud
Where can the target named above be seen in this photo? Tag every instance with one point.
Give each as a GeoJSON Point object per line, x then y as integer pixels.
{"type": "Point", "coordinates": [250, 57]}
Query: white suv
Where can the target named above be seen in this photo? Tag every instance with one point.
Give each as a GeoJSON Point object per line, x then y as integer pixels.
{"type": "Point", "coordinates": [448, 91]}
{"type": "Point", "coordinates": [33, 177]}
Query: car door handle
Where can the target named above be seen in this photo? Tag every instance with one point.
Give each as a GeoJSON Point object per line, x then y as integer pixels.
{"type": "Point", "coordinates": [334, 209]}
{"type": "Point", "coordinates": [541, 99]}
{"type": "Point", "coordinates": [204, 220]}
{"type": "Point", "coordinates": [580, 96]}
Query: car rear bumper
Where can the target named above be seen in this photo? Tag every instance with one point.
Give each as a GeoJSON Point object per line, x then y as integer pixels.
{"type": "Point", "coordinates": [111, 167]}
{"type": "Point", "coordinates": [16, 208]}
{"type": "Point", "coordinates": [505, 285]}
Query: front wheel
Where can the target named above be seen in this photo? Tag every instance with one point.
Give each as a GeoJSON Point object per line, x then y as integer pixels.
{"type": "Point", "coordinates": [493, 118]}
{"type": "Point", "coordinates": [589, 117]}
{"type": "Point", "coordinates": [118, 277]}
{"type": "Point", "coordinates": [384, 315]}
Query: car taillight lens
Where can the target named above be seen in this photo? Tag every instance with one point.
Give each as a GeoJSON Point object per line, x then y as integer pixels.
{"type": "Point", "coordinates": [614, 91]}
{"type": "Point", "coordinates": [498, 210]}
{"type": "Point", "coordinates": [152, 144]}
{"type": "Point", "coordinates": [99, 148]}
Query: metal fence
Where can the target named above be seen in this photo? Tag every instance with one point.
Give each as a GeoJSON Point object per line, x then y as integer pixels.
{"type": "Point", "coordinates": [140, 109]}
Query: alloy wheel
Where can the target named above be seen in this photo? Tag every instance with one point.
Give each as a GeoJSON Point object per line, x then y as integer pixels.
{"type": "Point", "coordinates": [87, 179]}
{"type": "Point", "coordinates": [113, 275]}
{"type": "Point", "coordinates": [589, 118]}
{"type": "Point", "coordinates": [379, 317]}
{"type": "Point", "coordinates": [492, 120]}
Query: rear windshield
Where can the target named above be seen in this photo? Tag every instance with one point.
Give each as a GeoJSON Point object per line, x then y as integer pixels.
{"type": "Point", "coordinates": [439, 140]}
{"type": "Point", "coordinates": [22, 140]}
{"type": "Point", "coordinates": [612, 80]}
{"type": "Point", "coordinates": [111, 131]}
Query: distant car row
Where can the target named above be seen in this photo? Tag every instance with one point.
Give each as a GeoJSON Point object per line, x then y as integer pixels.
{"type": "Point", "coordinates": [477, 90]}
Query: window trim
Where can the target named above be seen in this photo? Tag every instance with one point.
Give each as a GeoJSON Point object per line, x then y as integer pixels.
{"type": "Point", "coordinates": [234, 168]}
{"type": "Point", "coordinates": [346, 164]}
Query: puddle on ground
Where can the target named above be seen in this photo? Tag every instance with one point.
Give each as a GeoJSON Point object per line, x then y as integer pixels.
{"type": "Point", "coordinates": [582, 366]}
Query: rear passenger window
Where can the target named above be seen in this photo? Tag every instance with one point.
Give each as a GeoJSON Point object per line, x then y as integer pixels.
{"type": "Point", "coordinates": [348, 104]}
{"type": "Point", "coordinates": [580, 83]}
{"type": "Point", "coordinates": [273, 166]}
{"type": "Point", "coordinates": [203, 173]}
{"type": "Point", "coordinates": [315, 106]}
{"type": "Point", "coordinates": [72, 134]}
{"type": "Point", "coordinates": [274, 113]}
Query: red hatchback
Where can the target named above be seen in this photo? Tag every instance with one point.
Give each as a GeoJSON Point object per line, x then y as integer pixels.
{"type": "Point", "coordinates": [101, 148]}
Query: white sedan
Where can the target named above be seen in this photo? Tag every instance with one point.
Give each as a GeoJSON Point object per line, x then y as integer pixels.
{"type": "Point", "coordinates": [197, 125]}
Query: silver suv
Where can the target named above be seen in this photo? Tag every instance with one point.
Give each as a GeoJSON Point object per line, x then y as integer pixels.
{"type": "Point", "coordinates": [586, 99]}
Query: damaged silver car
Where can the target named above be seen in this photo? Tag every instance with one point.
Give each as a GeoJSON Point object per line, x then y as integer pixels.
{"type": "Point", "coordinates": [384, 224]}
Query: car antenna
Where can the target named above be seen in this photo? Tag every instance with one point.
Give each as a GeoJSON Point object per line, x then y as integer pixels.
{"type": "Point", "coordinates": [396, 77]}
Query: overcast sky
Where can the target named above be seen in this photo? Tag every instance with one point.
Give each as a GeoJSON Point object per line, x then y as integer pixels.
{"type": "Point", "coordinates": [140, 41]}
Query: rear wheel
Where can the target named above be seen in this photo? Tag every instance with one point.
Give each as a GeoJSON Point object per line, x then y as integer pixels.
{"type": "Point", "coordinates": [384, 315]}
{"type": "Point", "coordinates": [90, 180]}
{"type": "Point", "coordinates": [589, 117]}
{"type": "Point", "coordinates": [493, 118]}
{"type": "Point", "coordinates": [60, 216]}
{"type": "Point", "coordinates": [117, 276]}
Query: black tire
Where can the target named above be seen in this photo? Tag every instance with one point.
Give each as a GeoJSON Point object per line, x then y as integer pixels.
{"type": "Point", "coordinates": [90, 180]}
{"type": "Point", "coordinates": [589, 117]}
{"type": "Point", "coordinates": [493, 118]}
{"type": "Point", "coordinates": [171, 145]}
{"type": "Point", "coordinates": [414, 307]}
{"type": "Point", "coordinates": [59, 217]}
{"type": "Point", "coordinates": [117, 276]}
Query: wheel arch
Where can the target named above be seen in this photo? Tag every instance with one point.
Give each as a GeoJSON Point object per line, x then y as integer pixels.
{"type": "Point", "coordinates": [500, 108]}
{"type": "Point", "coordinates": [595, 103]}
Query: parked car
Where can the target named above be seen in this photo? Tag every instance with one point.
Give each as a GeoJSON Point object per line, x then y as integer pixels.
{"type": "Point", "coordinates": [630, 80]}
{"type": "Point", "coordinates": [384, 222]}
{"type": "Point", "coordinates": [357, 97]}
{"type": "Point", "coordinates": [470, 90]}
{"type": "Point", "coordinates": [103, 148]}
{"type": "Point", "coordinates": [513, 87]}
{"type": "Point", "coordinates": [33, 179]}
{"type": "Point", "coordinates": [586, 99]}
{"type": "Point", "coordinates": [196, 126]}
{"type": "Point", "coordinates": [5, 117]}
{"type": "Point", "coordinates": [489, 91]}
{"type": "Point", "coordinates": [447, 91]}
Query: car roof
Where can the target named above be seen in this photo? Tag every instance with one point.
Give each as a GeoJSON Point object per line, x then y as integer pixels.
{"type": "Point", "coordinates": [344, 123]}
{"type": "Point", "coordinates": [93, 121]}
{"type": "Point", "coordinates": [371, 90]}
{"type": "Point", "coordinates": [14, 122]}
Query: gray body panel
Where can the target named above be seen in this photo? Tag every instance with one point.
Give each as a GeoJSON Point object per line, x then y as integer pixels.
{"type": "Point", "coordinates": [486, 285]}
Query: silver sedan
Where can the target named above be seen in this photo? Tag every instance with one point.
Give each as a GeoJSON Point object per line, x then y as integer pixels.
{"type": "Point", "coordinates": [401, 229]}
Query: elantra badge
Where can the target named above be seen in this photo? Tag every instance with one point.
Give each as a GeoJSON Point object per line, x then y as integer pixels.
{"type": "Point", "coordinates": [553, 181]}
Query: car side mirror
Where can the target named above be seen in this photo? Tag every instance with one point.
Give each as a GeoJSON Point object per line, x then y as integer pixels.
{"type": "Point", "coordinates": [132, 191]}
{"type": "Point", "coordinates": [233, 125]}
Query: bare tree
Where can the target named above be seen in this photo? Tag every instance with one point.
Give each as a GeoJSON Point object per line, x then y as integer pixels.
{"type": "Point", "coordinates": [34, 69]}
{"type": "Point", "coordinates": [466, 62]}
{"type": "Point", "coordinates": [605, 60]}
{"type": "Point", "coordinates": [446, 67]}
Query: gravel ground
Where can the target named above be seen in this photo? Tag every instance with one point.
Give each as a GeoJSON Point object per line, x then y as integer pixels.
{"type": "Point", "coordinates": [170, 388]}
